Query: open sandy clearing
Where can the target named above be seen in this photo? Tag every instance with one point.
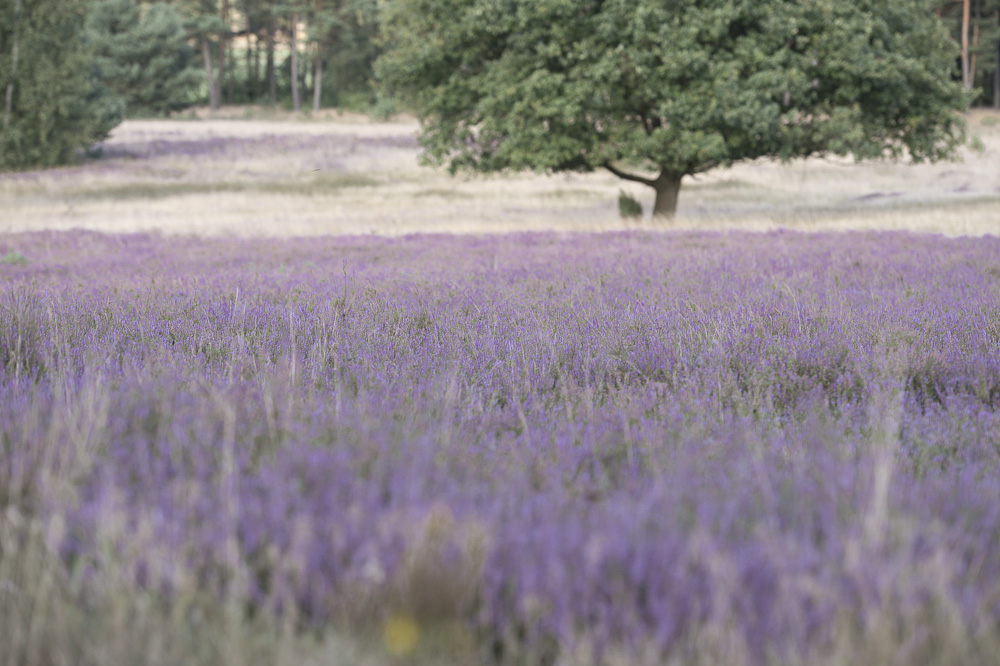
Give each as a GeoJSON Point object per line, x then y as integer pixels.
{"type": "Point", "coordinates": [347, 176]}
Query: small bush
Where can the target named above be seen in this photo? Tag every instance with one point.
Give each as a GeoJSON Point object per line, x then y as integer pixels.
{"type": "Point", "coordinates": [14, 258]}
{"type": "Point", "coordinates": [628, 206]}
{"type": "Point", "coordinates": [384, 108]}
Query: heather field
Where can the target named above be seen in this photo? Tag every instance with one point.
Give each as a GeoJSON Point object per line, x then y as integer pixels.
{"type": "Point", "coordinates": [272, 394]}
{"type": "Point", "coordinates": [701, 448]}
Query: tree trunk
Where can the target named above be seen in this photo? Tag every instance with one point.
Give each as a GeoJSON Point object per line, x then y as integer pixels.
{"type": "Point", "coordinates": [220, 76]}
{"type": "Point", "coordinates": [231, 76]}
{"type": "Point", "coordinates": [996, 75]}
{"type": "Point", "coordinates": [318, 80]}
{"type": "Point", "coordinates": [272, 78]}
{"type": "Point", "coordinates": [975, 42]}
{"type": "Point", "coordinates": [667, 186]}
{"type": "Point", "coordinates": [224, 50]}
{"type": "Point", "coordinates": [296, 98]}
{"type": "Point", "coordinates": [8, 106]}
{"type": "Point", "coordinates": [253, 70]}
{"type": "Point", "coordinates": [253, 66]}
{"type": "Point", "coordinates": [966, 80]}
{"type": "Point", "coordinates": [252, 55]}
{"type": "Point", "coordinates": [213, 91]}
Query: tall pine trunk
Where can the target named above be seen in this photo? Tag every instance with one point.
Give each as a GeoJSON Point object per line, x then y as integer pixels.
{"type": "Point", "coordinates": [975, 42]}
{"type": "Point", "coordinates": [252, 56]}
{"type": "Point", "coordinates": [296, 98]}
{"type": "Point", "coordinates": [231, 76]}
{"type": "Point", "coordinates": [253, 67]}
{"type": "Point", "coordinates": [224, 50]}
{"type": "Point", "coordinates": [996, 75]}
{"type": "Point", "coordinates": [272, 76]}
{"type": "Point", "coordinates": [318, 79]}
{"type": "Point", "coordinates": [8, 105]}
{"type": "Point", "coordinates": [253, 71]}
{"type": "Point", "coordinates": [213, 89]}
{"type": "Point", "coordinates": [220, 75]}
{"type": "Point", "coordinates": [966, 79]}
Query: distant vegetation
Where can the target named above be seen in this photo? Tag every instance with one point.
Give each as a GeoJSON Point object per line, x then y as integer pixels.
{"type": "Point", "coordinates": [143, 56]}
{"type": "Point", "coordinates": [55, 81]}
{"type": "Point", "coordinates": [69, 72]}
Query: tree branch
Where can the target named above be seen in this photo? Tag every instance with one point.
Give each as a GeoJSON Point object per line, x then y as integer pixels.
{"type": "Point", "coordinates": [627, 176]}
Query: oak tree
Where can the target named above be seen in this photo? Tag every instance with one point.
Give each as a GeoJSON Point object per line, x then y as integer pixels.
{"type": "Point", "coordinates": [656, 90]}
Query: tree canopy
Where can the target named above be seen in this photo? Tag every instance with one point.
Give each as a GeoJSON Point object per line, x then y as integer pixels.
{"type": "Point", "coordinates": [54, 103]}
{"type": "Point", "coordinates": [144, 57]}
{"type": "Point", "coordinates": [655, 90]}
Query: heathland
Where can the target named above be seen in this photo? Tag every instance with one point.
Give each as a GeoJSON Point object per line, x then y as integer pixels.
{"type": "Point", "coordinates": [252, 412]}
{"type": "Point", "coordinates": [251, 175]}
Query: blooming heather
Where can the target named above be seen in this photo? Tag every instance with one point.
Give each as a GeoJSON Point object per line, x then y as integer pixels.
{"type": "Point", "coordinates": [661, 444]}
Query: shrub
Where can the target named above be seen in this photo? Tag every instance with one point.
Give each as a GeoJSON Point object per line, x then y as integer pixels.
{"type": "Point", "coordinates": [628, 206]}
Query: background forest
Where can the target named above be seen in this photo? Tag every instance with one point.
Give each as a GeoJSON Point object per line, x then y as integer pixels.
{"type": "Point", "coordinates": [69, 71]}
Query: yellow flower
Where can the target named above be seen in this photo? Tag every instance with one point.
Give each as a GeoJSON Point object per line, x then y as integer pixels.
{"type": "Point", "coordinates": [401, 635]}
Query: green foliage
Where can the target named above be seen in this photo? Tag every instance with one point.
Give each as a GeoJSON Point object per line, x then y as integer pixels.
{"type": "Point", "coordinates": [346, 31]}
{"type": "Point", "coordinates": [676, 88]}
{"type": "Point", "coordinates": [14, 258]}
{"type": "Point", "coordinates": [342, 33]}
{"type": "Point", "coordinates": [984, 36]}
{"type": "Point", "coordinates": [145, 57]}
{"type": "Point", "coordinates": [384, 107]}
{"type": "Point", "coordinates": [628, 206]}
{"type": "Point", "coordinates": [201, 17]}
{"type": "Point", "coordinates": [57, 104]}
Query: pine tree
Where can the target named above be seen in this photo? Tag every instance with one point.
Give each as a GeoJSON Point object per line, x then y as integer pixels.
{"type": "Point", "coordinates": [343, 35]}
{"type": "Point", "coordinates": [981, 35]}
{"type": "Point", "coordinates": [54, 104]}
{"type": "Point", "coordinates": [204, 27]}
{"type": "Point", "coordinates": [144, 58]}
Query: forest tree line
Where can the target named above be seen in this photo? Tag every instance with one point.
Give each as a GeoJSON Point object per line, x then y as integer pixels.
{"type": "Point", "coordinates": [71, 69]}
{"type": "Point", "coordinates": [239, 40]}
{"type": "Point", "coordinates": [301, 53]}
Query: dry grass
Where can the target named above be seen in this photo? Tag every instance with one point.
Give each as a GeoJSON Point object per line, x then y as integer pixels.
{"type": "Point", "coordinates": [277, 174]}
